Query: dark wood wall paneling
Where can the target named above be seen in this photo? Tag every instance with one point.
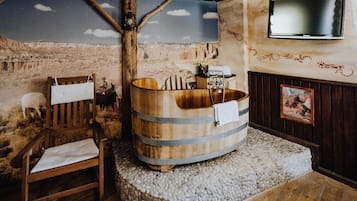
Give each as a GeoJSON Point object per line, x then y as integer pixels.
{"type": "Point", "coordinates": [333, 138]}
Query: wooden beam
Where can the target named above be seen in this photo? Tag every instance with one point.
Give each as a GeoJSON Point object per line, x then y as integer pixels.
{"type": "Point", "coordinates": [106, 15]}
{"type": "Point", "coordinates": [152, 13]}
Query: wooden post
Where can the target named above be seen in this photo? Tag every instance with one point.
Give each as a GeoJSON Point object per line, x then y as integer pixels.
{"type": "Point", "coordinates": [129, 50]}
{"type": "Point", "coordinates": [129, 61]}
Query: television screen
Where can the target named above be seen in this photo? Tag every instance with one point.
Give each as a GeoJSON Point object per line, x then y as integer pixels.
{"type": "Point", "coordinates": [306, 19]}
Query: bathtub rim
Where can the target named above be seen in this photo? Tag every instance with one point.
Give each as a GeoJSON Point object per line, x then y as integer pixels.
{"type": "Point", "coordinates": [241, 99]}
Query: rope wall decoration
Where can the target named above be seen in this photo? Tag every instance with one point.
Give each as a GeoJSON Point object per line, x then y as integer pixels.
{"type": "Point", "coordinates": [338, 68]}
{"type": "Point", "coordinates": [276, 57]}
{"type": "Point", "coordinates": [236, 35]}
{"type": "Point", "coordinates": [270, 57]}
{"type": "Point", "coordinates": [253, 51]}
{"type": "Point", "coordinates": [302, 59]}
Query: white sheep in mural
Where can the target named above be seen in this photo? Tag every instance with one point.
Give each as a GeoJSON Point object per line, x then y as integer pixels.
{"type": "Point", "coordinates": [34, 100]}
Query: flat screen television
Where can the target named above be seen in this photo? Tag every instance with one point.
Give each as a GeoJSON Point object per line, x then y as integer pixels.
{"type": "Point", "coordinates": [306, 19]}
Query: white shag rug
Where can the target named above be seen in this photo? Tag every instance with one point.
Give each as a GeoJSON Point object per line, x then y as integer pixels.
{"type": "Point", "coordinates": [263, 162]}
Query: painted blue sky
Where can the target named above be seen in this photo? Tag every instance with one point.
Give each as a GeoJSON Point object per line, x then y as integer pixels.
{"type": "Point", "coordinates": [74, 21]}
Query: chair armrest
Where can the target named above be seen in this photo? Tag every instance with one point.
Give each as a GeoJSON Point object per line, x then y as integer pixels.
{"type": "Point", "coordinates": [27, 150]}
{"type": "Point", "coordinates": [98, 132]}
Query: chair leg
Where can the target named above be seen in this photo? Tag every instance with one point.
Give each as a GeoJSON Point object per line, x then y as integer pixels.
{"type": "Point", "coordinates": [25, 173]}
{"type": "Point", "coordinates": [101, 171]}
{"type": "Point", "coordinates": [25, 191]}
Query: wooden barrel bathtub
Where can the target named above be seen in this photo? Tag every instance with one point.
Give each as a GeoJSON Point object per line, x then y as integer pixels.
{"type": "Point", "coordinates": [174, 127]}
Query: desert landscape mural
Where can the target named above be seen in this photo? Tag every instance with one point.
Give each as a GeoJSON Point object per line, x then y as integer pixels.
{"type": "Point", "coordinates": [26, 60]}
{"type": "Point", "coordinates": [26, 66]}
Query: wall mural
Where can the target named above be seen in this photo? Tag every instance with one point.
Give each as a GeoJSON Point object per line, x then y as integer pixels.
{"type": "Point", "coordinates": [68, 38]}
{"type": "Point", "coordinates": [182, 21]}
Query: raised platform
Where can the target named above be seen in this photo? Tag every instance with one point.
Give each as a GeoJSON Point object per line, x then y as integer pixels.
{"type": "Point", "coordinates": [263, 162]}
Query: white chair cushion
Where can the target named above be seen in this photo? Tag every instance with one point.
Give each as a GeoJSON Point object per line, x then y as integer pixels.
{"type": "Point", "coordinates": [66, 154]}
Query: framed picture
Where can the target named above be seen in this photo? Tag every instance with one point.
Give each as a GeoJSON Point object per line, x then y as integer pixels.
{"type": "Point", "coordinates": [297, 103]}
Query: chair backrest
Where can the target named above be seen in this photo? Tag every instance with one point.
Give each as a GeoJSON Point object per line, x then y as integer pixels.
{"type": "Point", "coordinates": [175, 82]}
{"type": "Point", "coordinates": [69, 115]}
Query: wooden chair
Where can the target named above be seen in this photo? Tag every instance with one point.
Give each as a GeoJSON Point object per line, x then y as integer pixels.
{"type": "Point", "coordinates": [66, 135]}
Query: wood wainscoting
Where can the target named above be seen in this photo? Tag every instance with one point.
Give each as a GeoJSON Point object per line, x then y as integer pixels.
{"type": "Point", "coordinates": [333, 137]}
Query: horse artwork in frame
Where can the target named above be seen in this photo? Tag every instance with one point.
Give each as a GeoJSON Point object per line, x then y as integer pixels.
{"type": "Point", "coordinates": [297, 103]}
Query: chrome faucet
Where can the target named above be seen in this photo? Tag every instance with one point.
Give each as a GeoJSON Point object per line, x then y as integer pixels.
{"type": "Point", "coordinates": [216, 81]}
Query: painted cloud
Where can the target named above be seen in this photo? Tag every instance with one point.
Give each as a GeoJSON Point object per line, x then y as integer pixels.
{"type": "Point", "coordinates": [210, 15]}
{"type": "Point", "coordinates": [100, 33]}
{"type": "Point", "coordinates": [186, 38]}
{"type": "Point", "coordinates": [153, 22]}
{"type": "Point", "coordinates": [145, 36]}
{"type": "Point", "coordinates": [106, 5]}
{"type": "Point", "coordinates": [42, 7]}
{"type": "Point", "coordinates": [178, 12]}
